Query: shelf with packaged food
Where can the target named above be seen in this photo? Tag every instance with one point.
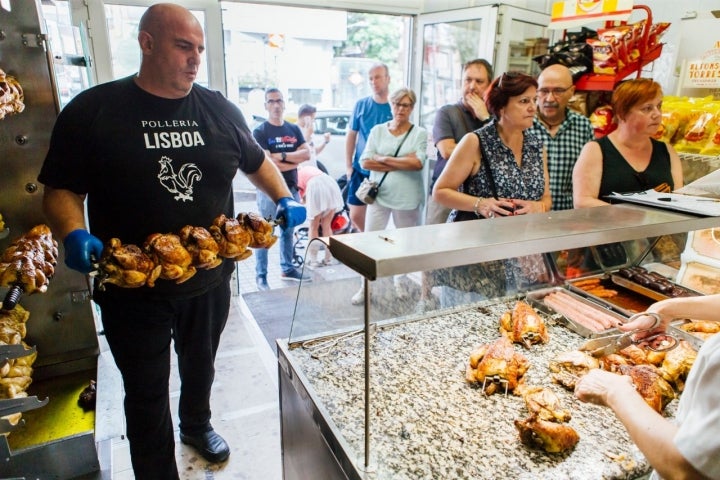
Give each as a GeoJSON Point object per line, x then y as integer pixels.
{"type": "Point", "coordinates": [592, 81]}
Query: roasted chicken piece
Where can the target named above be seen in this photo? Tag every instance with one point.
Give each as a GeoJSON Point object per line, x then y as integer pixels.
{"type": "Point", "coordinates": [232, 238]}
{"type": "Point", "coordinates": [612, 362]}
{"type": "Point", "coordinates": [639, 356]}
{"type": "Point", "coordinates": [677, 364]}
{"type": "Point", "coordinates": [497, 366]}
{"type": "Point", "coordinates": [701, 328]}
{"type": "Point", "coordinates": [167, 251]}
{"type": "Point", "coordinates": [202, 247]}
{"type": "Point", "coordinates": [11, 95]}
{"type": "Point", "coordinates": [543, 403]}
{"type": "Point", "coordinates": [260, 229]}
{"type": "Point", "coordinates": [29, 262]}
{"type": "Point", "coordinates": [650, 385]}
{"type": "Point", "coordinates": [568, 367]}
{"type": "Point", "coordinates": [127, 266]}
{"type": "Point", "coordinates": [523, 325]}
{"type": "Point", "coordinates": [550, 436]}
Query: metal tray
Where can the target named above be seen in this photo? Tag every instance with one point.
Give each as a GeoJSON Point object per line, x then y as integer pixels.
{"type": "Point", "coordinates": [648, 292]}
{"type": "Point", "coordinates": [535, 298]}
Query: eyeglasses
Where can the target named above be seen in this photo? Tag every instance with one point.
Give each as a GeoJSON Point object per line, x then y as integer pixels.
{"type": "Point", "coordinates": [508, 77]}
{"type": "Point", "coordinates": [279, 101]}
{"type": "Point", "coordinates": [403, 105]}
{"type": "Point", "coordinates": [544, 92]}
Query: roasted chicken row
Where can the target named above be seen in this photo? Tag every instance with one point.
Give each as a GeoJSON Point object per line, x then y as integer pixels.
{"type": "Point", "coordinates": [29, 262]}
{"type": "Point", "coordinates": [15, 374]}
{"type": "Point", "coordinates": [177, 257]}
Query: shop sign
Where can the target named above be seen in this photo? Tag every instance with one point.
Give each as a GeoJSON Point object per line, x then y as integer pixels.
{"type": "Point", "coordinates": [705, 73]}
{"type": "Point", "coordinates": [575, 13]}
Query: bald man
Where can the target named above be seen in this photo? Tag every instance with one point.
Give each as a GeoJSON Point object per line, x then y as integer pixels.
{"type": "Point", "coordinates": [157, 152]}
{"type": "Point", "coordinates": [563, 131]}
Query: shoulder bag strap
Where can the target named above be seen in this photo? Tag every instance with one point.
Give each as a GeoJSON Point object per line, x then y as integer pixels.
{"type": "Point", "coordinates": [486, 164]}
{"type": "Point", "coordinates": [397, 151]}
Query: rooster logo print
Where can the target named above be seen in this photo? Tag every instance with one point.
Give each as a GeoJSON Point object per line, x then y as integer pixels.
{"type": "Point", "coordinates": [180, 183]}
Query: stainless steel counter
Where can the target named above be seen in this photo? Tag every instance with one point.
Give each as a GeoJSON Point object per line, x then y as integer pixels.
{"type": "Point", "coordinates": [390, 252]}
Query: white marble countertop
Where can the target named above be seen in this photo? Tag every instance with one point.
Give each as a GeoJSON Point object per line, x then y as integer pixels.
{"type": "Point", "coordinates": [428, 423]}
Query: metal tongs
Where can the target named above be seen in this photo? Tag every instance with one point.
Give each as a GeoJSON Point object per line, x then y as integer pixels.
{"type": "Point", "coordinates": [659, 342]}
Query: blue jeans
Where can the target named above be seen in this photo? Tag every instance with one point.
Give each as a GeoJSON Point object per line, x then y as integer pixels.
{"type": "Point", "coordinates": [267, 208]}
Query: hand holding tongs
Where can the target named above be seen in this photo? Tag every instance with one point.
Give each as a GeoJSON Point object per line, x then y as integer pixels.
{"type": "Point", "coordinates": [658, 342]}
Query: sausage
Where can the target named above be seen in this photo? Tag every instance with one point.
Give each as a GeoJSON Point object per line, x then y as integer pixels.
{"type": "Point", "coordinates": [576, 311]}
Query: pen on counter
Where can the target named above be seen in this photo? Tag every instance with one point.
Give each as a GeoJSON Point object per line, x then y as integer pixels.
{"type": "Point", "coordinates": [387, 239]}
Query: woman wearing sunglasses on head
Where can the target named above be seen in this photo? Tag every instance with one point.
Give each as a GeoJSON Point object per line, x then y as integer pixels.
{"type": "Point", "coordinates": [500, 170]}
{"type": "Point", "coordinates": [628, 159]}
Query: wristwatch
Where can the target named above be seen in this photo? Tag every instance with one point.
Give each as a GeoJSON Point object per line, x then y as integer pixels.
{"type": "Point", "coordinates": [283, 157]}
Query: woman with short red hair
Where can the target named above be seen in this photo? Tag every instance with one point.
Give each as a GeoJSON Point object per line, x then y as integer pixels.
{"type": "Point", "coordinates": [628, 159]}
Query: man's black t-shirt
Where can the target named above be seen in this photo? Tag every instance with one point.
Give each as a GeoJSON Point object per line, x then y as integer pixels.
{"type": "Point", "coordinates": [151, 165]}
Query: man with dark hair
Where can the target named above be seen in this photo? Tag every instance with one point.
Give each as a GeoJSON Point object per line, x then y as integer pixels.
{"type": "Point", "coordinates": [367, 113]}
{"type": "Point", "coordinates": [451, 123]}
{"type": "Point", "coordinates": [284, 143]}
{"type": "Point", "coordinates": [563, 132]}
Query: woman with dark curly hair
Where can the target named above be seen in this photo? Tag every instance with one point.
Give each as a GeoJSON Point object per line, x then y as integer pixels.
{"type": "Point", "coordinates": [516, 159]}
{"type": "Point", "coordinates": [500, 170]}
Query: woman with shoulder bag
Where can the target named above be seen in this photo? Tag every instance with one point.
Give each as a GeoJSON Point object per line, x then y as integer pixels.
{"type": "Point", "coordinates": [395, 154]}
{"type": "Point", "coordinates": [500, 169]}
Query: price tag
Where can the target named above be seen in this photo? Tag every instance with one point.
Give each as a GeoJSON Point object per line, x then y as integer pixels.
{"type": "Point", "coordinates": [575, 13]}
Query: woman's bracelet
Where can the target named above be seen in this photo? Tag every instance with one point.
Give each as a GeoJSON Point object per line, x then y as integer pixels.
{"type": "Point", "coordinates": [475, 207]}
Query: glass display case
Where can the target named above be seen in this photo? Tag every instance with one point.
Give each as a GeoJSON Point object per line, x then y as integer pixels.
{"type": "Point", "coordinates": [379, 390]}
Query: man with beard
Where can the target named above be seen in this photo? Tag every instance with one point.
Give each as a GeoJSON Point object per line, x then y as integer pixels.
{"type": "Point", "coordinates": [562, 131]}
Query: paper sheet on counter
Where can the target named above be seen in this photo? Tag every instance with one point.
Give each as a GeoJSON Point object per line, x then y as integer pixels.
{"type": "Point", "coordinates": [672, 201]}
{"type": "Point", "coordinates": [709, 185]}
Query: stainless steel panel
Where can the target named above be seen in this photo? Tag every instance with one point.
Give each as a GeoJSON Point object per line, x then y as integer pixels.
{"type": "Point", "coordinates": [391, 252]}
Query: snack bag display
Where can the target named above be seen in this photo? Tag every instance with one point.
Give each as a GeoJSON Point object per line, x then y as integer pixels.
{"type": "Point", "coordinates": [668, 127]}
{"type": "Point", "coordinates": [602, 121]}
{"type": "Point", "coordinates": [700, 126]}
{"type": "Point", "coordinates": [712, 146]}
{"type": "Point", "coordinates": [605, 59]}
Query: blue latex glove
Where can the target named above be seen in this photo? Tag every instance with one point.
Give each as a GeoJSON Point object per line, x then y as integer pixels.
{"type": "Point", "coordinates": [291, 213]}
{"type": "Point", "coordinates": [82, 250]}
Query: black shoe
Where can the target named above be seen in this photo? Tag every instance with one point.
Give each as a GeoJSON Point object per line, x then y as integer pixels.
{"type": "Point", "coordinates": [261, 282]}
{"type": "Point", "coordinates": [210, 445]}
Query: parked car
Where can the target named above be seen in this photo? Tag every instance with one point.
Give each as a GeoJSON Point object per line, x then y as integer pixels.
{"type": "Point", "coordinates": [337, 122]}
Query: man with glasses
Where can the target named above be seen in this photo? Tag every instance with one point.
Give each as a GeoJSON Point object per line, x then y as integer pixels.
{"type": "Point", "coordinates": [284, 143]}
{"type": "Point", "coordinates": [367, 113]}
{"type": "Point", "coordinates": [563, 131]}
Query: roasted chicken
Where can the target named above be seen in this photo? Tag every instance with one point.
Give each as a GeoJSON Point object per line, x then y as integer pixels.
{"type": "Point", "coordinates": [639, 356]}
{"type": "Point", "coordinates": [568, 367]}
{"type": "Point", "coordinates": [261, 230]}
{"type": "Point", "coordinates": [15, 373]}
{"type": "Point", "coordinates": [677, 364]}
{"type": "Point", "coordinates": [543, 403]}
{"type": "Point", "coordinates": [127, 266]}
{"type": "Point", "coordinates": [497, 366]}
{"type": "Point", "coordinates": [650, 385]}
{"type": "Point", "coordinates": [701, 328]}
{"type": "Point", "coordinates": [523, 325]}
{"type": "Point", "coordinates": [232, 238]}
{"type": "Point", "coordinates": [29, 262]}
{"type": "Point", "coordinates": [11, 95]}
{"type": "Point", "coordinates": [202, 247]}
{"type": "Point", "coordinates": [550, 436]}
{"type": "Point", "coordinates": [167, 251]}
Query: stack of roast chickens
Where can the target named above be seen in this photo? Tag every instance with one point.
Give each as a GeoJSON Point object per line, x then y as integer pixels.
{"type": "Point", "coordinates": [15, 373]}
{"type": "Point", "coordinates": [178, 256]}
{"type": "Point", "coordinates": [11, 95]}
{"type": "Point", "coordinates": [29, 262]}
{"type": "Point", "coordinates": [499, 368]}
